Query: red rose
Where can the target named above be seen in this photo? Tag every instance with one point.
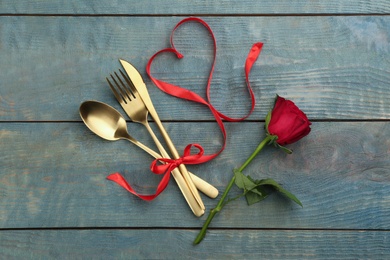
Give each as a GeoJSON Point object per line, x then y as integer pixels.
{"type": "Point", "coordinates": [287, 122]}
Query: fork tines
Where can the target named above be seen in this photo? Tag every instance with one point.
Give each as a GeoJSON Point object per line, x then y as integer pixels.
{"type": "Point", "coordinates": [126, 91]}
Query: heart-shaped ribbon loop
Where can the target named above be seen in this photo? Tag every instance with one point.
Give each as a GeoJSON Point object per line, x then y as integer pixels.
{"type": "Point", "coordinates": [183, 93]}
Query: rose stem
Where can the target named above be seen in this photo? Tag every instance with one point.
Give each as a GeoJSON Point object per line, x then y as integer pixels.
{"type": "Point", "coordinates": [221, 204]}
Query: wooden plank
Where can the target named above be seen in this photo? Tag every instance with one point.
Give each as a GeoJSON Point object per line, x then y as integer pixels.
{"type": "Point", "coordinates": [53, 175]}
{"type": "Point", "coordinates": [177, 244]}
{"type": "Point", "coordinates": [333, 67]}
{"type": "Point", "coordinates": [175, 7]}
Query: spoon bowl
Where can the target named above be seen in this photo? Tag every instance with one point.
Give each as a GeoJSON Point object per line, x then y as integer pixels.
{"type": "Point", "coordinates": [103, 120]}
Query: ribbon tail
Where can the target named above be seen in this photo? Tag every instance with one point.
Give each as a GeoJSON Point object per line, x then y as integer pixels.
{"type": "Point", "coordinates": [120, 180]}
{"type": "Point", "coordinates": [252, 57]}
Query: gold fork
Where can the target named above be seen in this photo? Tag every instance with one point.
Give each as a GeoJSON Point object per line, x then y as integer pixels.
{"type": "Point", "coordinates": [138, 111]}
{"type": "Point", "coordinates": [135, 108]}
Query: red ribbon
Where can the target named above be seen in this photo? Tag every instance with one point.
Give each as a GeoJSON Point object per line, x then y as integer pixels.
{"type": "Point", "coordinates": [182, 93]}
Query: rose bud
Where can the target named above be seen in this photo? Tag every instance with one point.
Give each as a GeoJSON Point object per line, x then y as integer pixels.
{"type": "Point", "coordinates": [287, 122]}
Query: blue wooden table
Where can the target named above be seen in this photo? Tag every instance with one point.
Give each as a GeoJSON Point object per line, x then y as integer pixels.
{"type": "Point", "coordinates": [332, 58]}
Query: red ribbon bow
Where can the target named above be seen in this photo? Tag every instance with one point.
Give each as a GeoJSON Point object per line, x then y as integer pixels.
{"type": "Point", "coordinates": [171, 164]}
{"type": "Point", "coordinates": [179, 92]}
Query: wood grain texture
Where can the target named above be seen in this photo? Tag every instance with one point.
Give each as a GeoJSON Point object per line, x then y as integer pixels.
{"type": "Point", "coordinates": [176, 244]}
{"type": "Point", "coordinates": [53, 175]}
{"type": "Point", "coordinates": [332, 67]}
{"type": "Point", "coordinates": [330, 57]}
{"type": "Point", "coordinates": [172, 7]}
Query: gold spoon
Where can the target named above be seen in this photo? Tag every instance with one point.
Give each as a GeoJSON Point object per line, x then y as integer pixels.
{"type": "Point", "coordinates": [108, 123]}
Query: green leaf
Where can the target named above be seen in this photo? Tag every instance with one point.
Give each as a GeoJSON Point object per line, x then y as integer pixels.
{"type": "Point", "coordinates": [279, 188]}
{"type": "Point", "coordinates": [252, 198]}
{"type": "Point", "coordinates": [256, 195]}
{"type": "Point", "coordinates": [256, 190]}
{"type": "Point", "coordinates": [243, 182]}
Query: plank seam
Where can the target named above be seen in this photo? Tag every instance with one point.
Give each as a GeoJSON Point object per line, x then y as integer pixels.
{"type": "Point", "coordinates": [198, 15]}
{"type": "Point", "coordinates": [196, 229]}
{"type": "Point", "coordinates": [202, 121]}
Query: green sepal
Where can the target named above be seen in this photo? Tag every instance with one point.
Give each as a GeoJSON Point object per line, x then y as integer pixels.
{"type": "Point", "coordinates": [284, 149]}
{"type": "Point", "coordinates": [273, 141]}
{"type": "Point", "coordinates": [267, 120]}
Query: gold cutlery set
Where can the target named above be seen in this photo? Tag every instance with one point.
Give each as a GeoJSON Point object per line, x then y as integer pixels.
{"type": "Point", "coordinates": [132, 94]}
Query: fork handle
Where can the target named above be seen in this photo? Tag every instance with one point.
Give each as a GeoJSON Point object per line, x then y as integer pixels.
{"type": "Point", "coordinates": [175, 154]}
{"type": "Point", "coordinates": [201, 184]}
